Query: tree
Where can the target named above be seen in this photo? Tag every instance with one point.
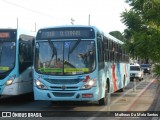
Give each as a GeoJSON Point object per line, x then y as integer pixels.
{"type": "Point", "coordinates": [117, 34]}
{"type": "Point", "coordinates": [143, 28]}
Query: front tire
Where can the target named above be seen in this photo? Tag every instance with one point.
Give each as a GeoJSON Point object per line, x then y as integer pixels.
{"type": "Point", "coordinates": [104, 101]}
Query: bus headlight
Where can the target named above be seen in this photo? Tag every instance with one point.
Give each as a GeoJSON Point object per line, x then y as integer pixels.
{"type": "Point", "coordinates": [89, 84]}
{"type": "Point", "coordinates": [40, 85]}
{"type": "Point", "coordinates": [9, 82]}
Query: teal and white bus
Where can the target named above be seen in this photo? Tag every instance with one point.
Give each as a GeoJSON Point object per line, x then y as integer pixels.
{"type": "Point", "coordinates": [78, 63]}
{"type": "Point", "coordinates": [16, 61]}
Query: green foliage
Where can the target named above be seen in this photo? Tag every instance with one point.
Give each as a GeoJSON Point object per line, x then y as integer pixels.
{"type": "Point", "coordinates": [152, 11]}
{"type": "Point", "coordinates": [143, 32]}
{"type": "Point", "coordinates": [157, 69]}
{"type": "Point", "coordinates": [132, 20]}
{"type": "Point", "coordinates": [117, 34]}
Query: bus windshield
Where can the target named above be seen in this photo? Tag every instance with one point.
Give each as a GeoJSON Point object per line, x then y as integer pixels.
{"type": "Point", "coordinates": [65, 57]}
{"type": "Point", "coordinates": [136, 68]}
{"type": "Point", "coordinates": [7, 56]}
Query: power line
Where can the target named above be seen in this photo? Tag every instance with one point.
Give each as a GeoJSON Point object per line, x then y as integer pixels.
{"type": "Point", "coordinates": [35, 11]}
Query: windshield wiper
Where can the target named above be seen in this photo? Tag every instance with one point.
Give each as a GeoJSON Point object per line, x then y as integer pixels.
{"type": "Point", "coordinates": [68, 63]}
{"type": "Point", "coordinates": [75, 45]}
{"type": "Point", "coordinates": [73, 48]}
{"type": "Point", "coordinates": [54, 51]}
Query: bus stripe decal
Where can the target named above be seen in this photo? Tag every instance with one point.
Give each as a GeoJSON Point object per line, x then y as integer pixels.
{"type": "Point", "coordinates": [114, 77]}
{"type": "Point", "coordinates": [126, 71]}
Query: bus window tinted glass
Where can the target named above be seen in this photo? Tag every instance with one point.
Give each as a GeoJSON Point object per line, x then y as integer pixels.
{"type": "Point", "coordinates": [135, 68]}
{"type": "Point", "coordinates": [7, 56]}
{"type": "Point", "coordinates": [65, 58]}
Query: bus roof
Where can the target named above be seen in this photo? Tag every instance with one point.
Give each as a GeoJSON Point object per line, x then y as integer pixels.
{"type": "Point", "coordinates": [66, 26]}
{"type": "Point", "coordinates": [113, 38]}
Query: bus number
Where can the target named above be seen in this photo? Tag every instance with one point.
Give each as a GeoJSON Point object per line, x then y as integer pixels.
{"type": "Point", "coordinates": [70, 33]}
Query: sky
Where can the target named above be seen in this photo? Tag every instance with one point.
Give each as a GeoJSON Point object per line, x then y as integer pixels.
{"type": "Point", "coordinates": [35, 14]}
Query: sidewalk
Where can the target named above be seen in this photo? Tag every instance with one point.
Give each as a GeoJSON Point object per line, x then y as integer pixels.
{"type": "Point", "coordinates": [157, 107]}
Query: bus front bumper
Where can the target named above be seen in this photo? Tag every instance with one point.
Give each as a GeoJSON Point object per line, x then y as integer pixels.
{"type": "Point", "coordinates": [81, 95]}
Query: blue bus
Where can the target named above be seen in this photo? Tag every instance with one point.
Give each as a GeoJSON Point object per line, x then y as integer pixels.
{"type": "Point", "coordinates": [16, 62]}
{"type": "Point", "coordinates": [78, 63]}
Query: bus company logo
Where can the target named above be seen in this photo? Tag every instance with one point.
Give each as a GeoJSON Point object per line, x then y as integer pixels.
{"type": "Point", "coordinates": [63, 87]}
{"type": "Point", "coordinates": [6, 114]}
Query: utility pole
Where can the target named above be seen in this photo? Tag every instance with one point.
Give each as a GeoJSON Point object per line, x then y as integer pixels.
{"type": "Point", "coordinates": [89, 19]}
{"type": "Point", "coordinates": [35, 27]}
{"type": "Point", "coordinates": [17, 22]}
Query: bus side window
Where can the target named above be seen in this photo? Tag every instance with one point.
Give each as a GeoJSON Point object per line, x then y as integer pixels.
{"type": "Point", "coordinates": [25, 54]}
{"type": "Point", "coordinates": [106, 48]}
{"type": "Point", "coordinates": [100, 53]}
{"type": "Point", "coordinates": [113, 52]}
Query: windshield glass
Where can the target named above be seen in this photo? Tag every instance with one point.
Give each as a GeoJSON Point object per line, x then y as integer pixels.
{"type": "Point", "coordinates": [136, 68]}
{"type": "Point", "coordinates": [65, 58]}
{"type": "Point", "coordinates": [145, 65]}
{"type": "Point", "coordinates": [7, 56]}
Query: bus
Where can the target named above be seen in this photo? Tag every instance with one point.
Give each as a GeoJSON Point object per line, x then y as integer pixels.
{"type": "Point", "coordinates": [16, 62]}
{"type": "Point", "coordinates": [78, 63]}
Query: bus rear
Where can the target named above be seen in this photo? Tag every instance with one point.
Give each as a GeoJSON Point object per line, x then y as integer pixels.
{"type": "Point", "coordinates": [66, 64]}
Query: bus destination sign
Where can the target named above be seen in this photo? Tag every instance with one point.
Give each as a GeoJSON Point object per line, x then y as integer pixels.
{"type": "Point", "coordinates": [66, 33]}
{"type": "Point", "coordinates": [7, 34]}
{"type": "Point", "coordinates": [4, 35]}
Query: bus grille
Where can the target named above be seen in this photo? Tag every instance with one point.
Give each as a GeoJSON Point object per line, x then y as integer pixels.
{"type": "Point", "coordinates": [63, 81]}
{"type": "Point", "coordinates": [58, 94]}
{"type": "Point", "coordinates": [66, 88]}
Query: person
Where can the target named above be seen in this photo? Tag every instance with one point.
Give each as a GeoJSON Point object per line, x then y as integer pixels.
{"type": "Point", "coordinates": [88, 59]}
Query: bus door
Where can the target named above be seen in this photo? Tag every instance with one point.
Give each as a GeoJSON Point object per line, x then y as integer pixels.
{"type": "Point", "coordinates": [26, 45]}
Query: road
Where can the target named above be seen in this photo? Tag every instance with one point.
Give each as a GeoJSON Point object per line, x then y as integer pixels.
{"type": "Point", "coordinates": [137, 96]}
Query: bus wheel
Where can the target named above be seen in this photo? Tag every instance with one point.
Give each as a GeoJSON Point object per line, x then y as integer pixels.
{"type": "Point", "coordinates": [104, 100]}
